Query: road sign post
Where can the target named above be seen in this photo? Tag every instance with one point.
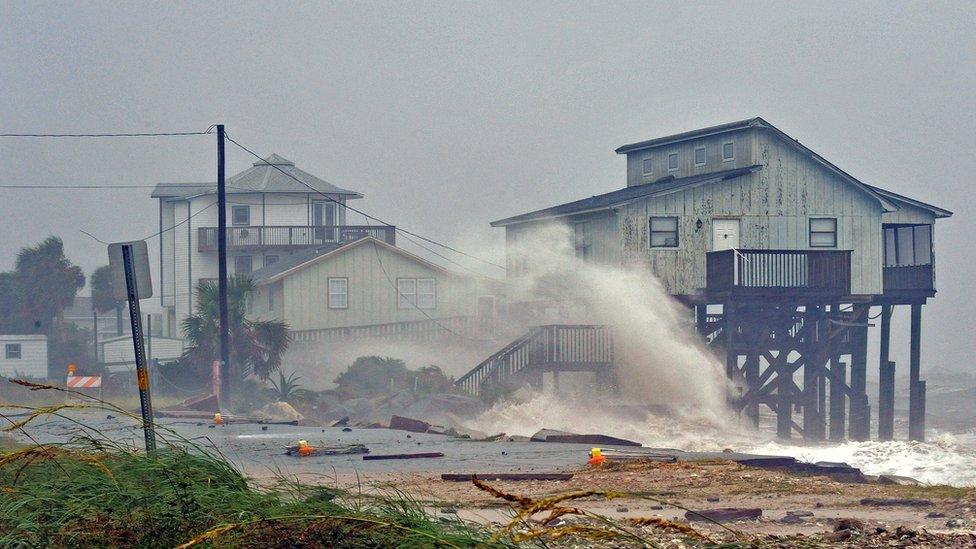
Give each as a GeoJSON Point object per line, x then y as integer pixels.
{"type": "Point", "coordinates": [131, 260]}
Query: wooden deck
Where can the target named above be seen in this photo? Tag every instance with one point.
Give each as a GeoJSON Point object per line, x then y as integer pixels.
{"type": "Point", "coordinates": [779, 273]}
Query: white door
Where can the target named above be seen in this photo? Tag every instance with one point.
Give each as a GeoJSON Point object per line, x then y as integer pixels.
{"type": "Point", "coordinates": [725, 234]}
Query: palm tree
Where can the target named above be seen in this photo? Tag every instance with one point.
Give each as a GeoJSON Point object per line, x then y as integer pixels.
{"type": "Point", "coordinates": [103, 295]}
{"type": "Point", "coordinates": [256, 346]}
{"type": "Point", "coordinates": [43, 283]}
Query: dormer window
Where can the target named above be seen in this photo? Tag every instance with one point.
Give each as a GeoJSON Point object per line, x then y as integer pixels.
{"type": "Point", "coordinates": [672, 162]}
{"type": "Point", "coordinates": [728, 151]}
{"type": "Point", "coordinates": [700, 156]}
{"type": "Point", "coordinates": [646, 166]}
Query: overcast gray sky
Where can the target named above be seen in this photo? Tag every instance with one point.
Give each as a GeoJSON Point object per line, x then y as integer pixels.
{"type": "Point", "coordinates": [450, 115]}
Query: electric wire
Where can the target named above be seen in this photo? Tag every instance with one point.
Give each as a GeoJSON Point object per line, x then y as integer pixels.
{"type": "Point", "coordinates": [364, 214]}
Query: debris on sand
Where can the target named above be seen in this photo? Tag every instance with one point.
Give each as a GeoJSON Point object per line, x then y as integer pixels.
{"type": "Point", "coordinates": [349, 449]}
{"type": "Point", "coordinates": [279, 412]}
{"type": "Point", "coordinates": [551, 435]}
{"type": "Point", "coordinates": [507, 476]}
{"type": "Point", "coordinates": [724, 514]}
{"type": "Point", "coordinates": [419, 455]}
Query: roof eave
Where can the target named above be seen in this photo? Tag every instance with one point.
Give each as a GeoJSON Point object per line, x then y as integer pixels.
{"type": "Point", "coordinates": [694, 134]}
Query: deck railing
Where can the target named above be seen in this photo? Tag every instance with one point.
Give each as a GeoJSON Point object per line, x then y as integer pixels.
{"type": "Point", "coordinates": [779, 271]}
{"type": "Point", "coordinates": [292, 236]}
{"type": "Point", "coordinates": [909, 278]}
{"type": "Point", "coordinates": [557, 346]}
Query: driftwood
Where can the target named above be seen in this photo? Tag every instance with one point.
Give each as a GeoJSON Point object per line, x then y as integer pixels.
{"type": "Point", "coordinates": [330, 451]}
{"type": "Point", "coordinates": [403, 456]}
{"type": "Point", "coordinates": [506, 476]}
{"type": "Point", "coordinates": [724, 514]}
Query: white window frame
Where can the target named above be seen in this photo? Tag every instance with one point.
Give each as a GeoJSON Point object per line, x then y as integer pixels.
{"type": "Point", "coordinates": [811, 232]}
{"type": "Point", "coordinates": [704, 156]}
{"type": "Point", "coordinates": [650, 232]}
{"type": "Point", "coordinates": [645, 162]}
{"type": "Point", "coordinates": [677, 163]}
{"type": "Point", "coordinates": [406, 293]}
{"type": "Point", "coordinates": [338, 297]}
{"type": "Point", "coordinates": [425, 299]}
{"type": "Point", "coordinates": [10, 349]}
{"type": "Point", "coordinates": [233, 215]}
{"type": "Point", "coordinates": [730, 158]}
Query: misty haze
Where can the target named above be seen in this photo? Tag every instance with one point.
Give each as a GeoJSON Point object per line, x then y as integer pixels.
{"type": "Point", "coordinates": [421, 274]}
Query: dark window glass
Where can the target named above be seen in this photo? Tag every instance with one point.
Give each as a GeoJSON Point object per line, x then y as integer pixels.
{"type": "Point", "coordinates": [700, 156]}
{"type": "Point", "coordinates": [242, 264]}
{"type": "Point", "coordinates": [906, 245]}
{"type": "Point", "coordinates": [646, 166]}
{"type": "Point", "coordinates": [664, 232]}
{"type": "Point", "coordinates": [241, 215]}
{"type": "Point", "coordinates": [270, 260]}
{"type": "Point", "coordinates": [823, 232]}
{"type": "Point", "coordinates": [12, 351]}
{"type": "Point", "coordinates": [728, 151]}
{"type": "Point", "coordinates": [891, 256]}
{"type": "Point", "coordinates": [673, 161]}
{"type": "Point", "coordinates": [923, 244]}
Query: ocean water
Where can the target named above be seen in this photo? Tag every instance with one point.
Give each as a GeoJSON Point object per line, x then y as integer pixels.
{"type": "Point", "coordinates": [946, 458]}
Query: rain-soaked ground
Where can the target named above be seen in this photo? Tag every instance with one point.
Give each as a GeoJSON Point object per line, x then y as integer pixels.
{"type": "Point", "coordinates": [260, 449]}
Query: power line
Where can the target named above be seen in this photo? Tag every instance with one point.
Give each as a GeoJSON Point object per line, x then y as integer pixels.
{"type": "Point", "coordinates": [364, 214]}
{"type": "Point", "coordinates": [79, 187]}
{"type": "Point", "coordinates": [130, 134]}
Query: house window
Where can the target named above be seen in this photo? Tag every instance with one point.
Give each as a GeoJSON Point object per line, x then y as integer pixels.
{"type": "Point", "coordinates": [672, 162]}
{"type": "Point", "coordinates": [338, 293]}
{"type": "Point", "coordinates": [664, 232]}
{"type": "Point", "coordinates": [12, 351]}
{"type": "Point", "coordinates": [728, 151]}
{"type": "Point", "coordinates": [823, 232]}
{"type": "Point", "coordinates": [242, 264]}
{"type": "Point", "coordinates": [426, 293]}
{"type": "Point", "coordinates": [907, 245]}
{"type": "Point", "coordinates": [700, 156]}
{"type": "Point", "coordinates": [241, 215]}
{"type": "Point", "coordinates": [581, 239]}
{"type": "Point", "coordinates": [270, 260]}
{"type": "Point", "coordinates": [420, 293]}
{"type": "Point", "coordinates": [646, 166]}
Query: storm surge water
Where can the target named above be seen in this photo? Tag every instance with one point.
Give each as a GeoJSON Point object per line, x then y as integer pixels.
{"type": "Point", "coordinates": [672, 389]}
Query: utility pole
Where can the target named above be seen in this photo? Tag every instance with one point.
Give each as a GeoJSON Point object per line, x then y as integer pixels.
{"type": "Point", "coordinates": [225, 366]}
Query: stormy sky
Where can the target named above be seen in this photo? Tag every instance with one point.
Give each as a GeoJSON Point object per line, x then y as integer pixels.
{"type": "Point", "coordinates": [449, 115]}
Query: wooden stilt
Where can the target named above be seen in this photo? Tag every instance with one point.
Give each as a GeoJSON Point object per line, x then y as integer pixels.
{"type": "Point", "coordinates": [860, 414]}
{"type": "Point", "coordinates": [814, 353]}
{"type": "Point", "coordinates": [886, 385]}
{"type": "Point", "coordinates": [916, 389]}
{"type": "Point", "coordinates": [838, 392]}
{"type": "Point", "coordinates": [784, 400]}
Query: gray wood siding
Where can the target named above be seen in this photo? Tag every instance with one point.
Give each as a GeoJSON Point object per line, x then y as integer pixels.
{"type": "Point", "coordinates": [372, 295]}
{"type": "Point", "coordinates": [743, 143]}
{"type": "Point", "coordinates": [774, 206]}
{"type": "Point", "coordinates": [907, 213]}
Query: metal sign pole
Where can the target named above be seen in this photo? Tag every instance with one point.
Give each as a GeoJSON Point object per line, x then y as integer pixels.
{"type": "Point", "coordinates": [142, 373]}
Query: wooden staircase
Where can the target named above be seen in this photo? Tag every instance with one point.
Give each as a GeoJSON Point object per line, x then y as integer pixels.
{"type": "Point", "coordinates": [553, 348]}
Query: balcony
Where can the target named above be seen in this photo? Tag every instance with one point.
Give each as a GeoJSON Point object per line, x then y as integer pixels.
{"type": "Point", "coordinates": [258, 237]}
{"type": "Point", "coordinates": [909, 279]}
{"type": "Point", "coordinates": [779, 273]}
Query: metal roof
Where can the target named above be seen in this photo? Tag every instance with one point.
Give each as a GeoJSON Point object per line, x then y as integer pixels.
{"type": "Point", "coordinates": [264, 176]}
{"type": "Point", "coordinates": [297, 261]}
{"type": "Point", "coordinates": [937, 211]}
{"type": "Point", "coordinates": [621, 196]}
{"type": "Point", "coordinates": [758, 122]}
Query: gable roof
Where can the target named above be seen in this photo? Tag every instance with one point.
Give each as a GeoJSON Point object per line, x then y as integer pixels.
{"type": "Point", "coordinates": [296, 262]}
{"type": "Point", "coordinates": [759, 122]}
{"type": "Point", "coordinates": [937, 211]}
{"type": "Point", "coordinates": [605, 201]}
{"type": "Point", "coordinates": [264, 176]}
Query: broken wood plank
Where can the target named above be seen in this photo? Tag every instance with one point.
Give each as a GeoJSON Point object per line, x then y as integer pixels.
{"type": "Point", "coordinates": [329, 451]}
{"type": "Point", "coordinates": [403, 456]}
{"type": "Point", "coordinates": [400, 423]}
{"type": "Point", "coordinates": [507, 476]}
{"type": "Point", "coordinates": [724, 514]}
{"type": "Point", "coordinates": [603, 440]}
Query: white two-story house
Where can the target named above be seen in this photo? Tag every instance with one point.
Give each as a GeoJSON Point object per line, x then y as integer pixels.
{"type": "Point", "coordinates": [270, 216]}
